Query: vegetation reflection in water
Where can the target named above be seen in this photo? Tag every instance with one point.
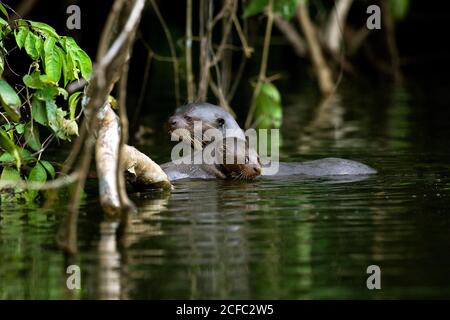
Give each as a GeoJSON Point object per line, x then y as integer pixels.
{"type": "Point", "coordinates": [275, 238]}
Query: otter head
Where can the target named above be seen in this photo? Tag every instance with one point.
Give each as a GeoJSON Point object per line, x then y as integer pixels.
{"type": "Point", "coordinates": [197, 118]}
{"type": "Point", "coordinates": [238, 160]}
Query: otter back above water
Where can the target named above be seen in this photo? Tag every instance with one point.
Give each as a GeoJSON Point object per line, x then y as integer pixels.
{"type": "Point", "coordinates": [332, 168]}
{"type": "Point", "coordinates": [322, 168]}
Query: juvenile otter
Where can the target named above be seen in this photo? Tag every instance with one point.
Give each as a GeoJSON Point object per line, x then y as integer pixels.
{"type": "Point", "coordinates": [230, 158]}
{"type": "Point", "coordinates": [211, 116]}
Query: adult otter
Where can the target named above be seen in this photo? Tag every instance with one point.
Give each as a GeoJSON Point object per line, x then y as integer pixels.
{"type": "Point", "coordinates": [211, 116]}
{"type": "Point", "coordinates": [207, 116]}
{"type": "Point", "coordinates": [230, 158]}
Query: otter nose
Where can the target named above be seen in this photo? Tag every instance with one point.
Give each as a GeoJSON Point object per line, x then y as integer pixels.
{"type": "Point", "coordinates": [257, 170]}
{"type": "Point", "coordinates": [173, 121]}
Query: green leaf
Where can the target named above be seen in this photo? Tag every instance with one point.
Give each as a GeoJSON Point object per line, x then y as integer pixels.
{"type": "Point", "coordinates": [49, 167]}
{"type": "Point", "coordinates": [70, 71]}
{"type": "Point", "coordinates": [39, 44]}
{"type": "Point", "coordinates": [85, 64]}
{"type": "Point", "coordinates": [62, 127]}
{"type": "Point", "coordinates": [271, 91]}
{"type": "Point", "coordinates": [11, 175]}
{"type": "Point", "coordinates": [30, 46]}
{"type": "Point", "coordinates": [20, 128]}
{"type": "Point", "coordinates": [21, 23]}
{"type": "Point", "coordinates": [286, 8]}
{"type": "Point", "coordinates": [56, 119]}
{"type": "Point", "coordinates": [255, 7]}
{"type": "Point", "coordinates": [268, 110]}
{"type": "Point", "coordinates": [32, 137]}
{"type": "Point", "coordinates": [44, 28]}
{"type": "Point", "coordinates": [73, 101]}
{"type": "Point", "coordinates": [71, 127]}
{"type": "Point", "coordinates": [10, 100]}
{"type": "Point", "coordinates": [3, 22]}
{"type": "Point", "coordinates": [24, 154]}
{"type": "Point", "coordinates": [38, 111]}
{"type": "Point", "coordinates": [50, 93]}
{"type": "Point", "coordinates": [39, 175]}
{"type": "Point", "coordinates": [33, 81]}
{"type": "Point", "coordinates": [8, 144]}
{"type": "Point", "coordinates": [53, 63]}
{"type": "Point", "coordinates": [399, 8]}
{"type": "Point", "coordinates": [48, 80]}
{"type": "Point", "coordinates": [3, 10]}
{"type": "Point", "coordinates": [79, 56]}
{"type": "Point", "coordinates": [21, 36]}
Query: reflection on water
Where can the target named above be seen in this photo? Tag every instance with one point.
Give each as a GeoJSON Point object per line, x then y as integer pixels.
{"type": "Point", "coordinates": [274, 238]}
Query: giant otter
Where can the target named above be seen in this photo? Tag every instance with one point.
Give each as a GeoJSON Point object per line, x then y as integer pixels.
{"type": "Point", "coordinates": [186, 116]}
{"type": "Point", "coordinates": [212, 116]}
{"type": "Point", "coordinates": [231, 158]}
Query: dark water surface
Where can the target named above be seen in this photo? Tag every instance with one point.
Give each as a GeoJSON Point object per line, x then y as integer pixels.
{"type": "Point", "coordinates": [285, 238]}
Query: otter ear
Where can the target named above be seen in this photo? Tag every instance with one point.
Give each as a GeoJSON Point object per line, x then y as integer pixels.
{"type": "Point", "coordinates": [220, 121]}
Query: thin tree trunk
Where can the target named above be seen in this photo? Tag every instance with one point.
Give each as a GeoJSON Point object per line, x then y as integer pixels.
{"type": "Point", "coordinates": [336, 24]}
{"type": "Point", "coordinates": [204, 60]}
{"type": "Point", "coordinates": [189, 72]}
{"type": "Point", "coordinates": [323, 72]}
{"type": "Point", "coordinates": [389, 25]}
{"type": "Point", "coordinates": [264, 62]}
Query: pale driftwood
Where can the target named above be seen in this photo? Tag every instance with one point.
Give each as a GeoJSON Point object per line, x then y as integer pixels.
{"type": "Point", "coordinates": [106, 154]}
{"type": "Point", "coordinates": [143, 172]}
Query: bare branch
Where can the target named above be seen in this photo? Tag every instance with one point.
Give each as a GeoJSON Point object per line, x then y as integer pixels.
{"type": "Point", "coordinates": [322, 70]}
{"type": "Point", "coordinates": [264, 62]}
{"type": "Point", "coordinates": [291, 34]}
{"type": "Point", "coordinates": [336, 23]}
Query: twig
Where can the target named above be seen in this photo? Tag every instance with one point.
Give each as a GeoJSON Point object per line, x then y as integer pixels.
{"type": "Point", "coordinates": [204, 61]}
{"type": "Point", "coordinates": [144, 85]}
{"type": "Point", "coordinates": [292, 36]}
{"type": "Point", "coordinates": [229, 6]}
{"type": "Point", "coordinates": [247, 49]}
{"type": "Point", "coordinates": [242, 32]}
{"type": "Point", "coordinates": [322, 70]}
{"type": "Point", "coordinates": [172, 51]}
{"type": "Point", "coordinates": [390, 39]}
{"type": "Point", "coordinates": [125, 203]}
{"type": "Point", "coordinates": [221, 97]}
{"type": "Point", "coordinates": [264, 61]}
{"type": "Point", "coordinates": [52, 184]}
{"type": "Point", "coordinates": [189, 73]}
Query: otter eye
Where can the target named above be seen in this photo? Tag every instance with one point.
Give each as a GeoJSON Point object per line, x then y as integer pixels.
{"type": "Point", "coordinates": [220, 121]}
{"type": "Point", "coordinates": [247, 160]}
{"type": "Point", "coordinates": [187, 118]}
